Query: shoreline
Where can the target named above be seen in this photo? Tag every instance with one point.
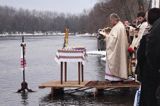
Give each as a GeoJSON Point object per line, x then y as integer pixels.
{"type": "Point", "coordinates": [32, 35]}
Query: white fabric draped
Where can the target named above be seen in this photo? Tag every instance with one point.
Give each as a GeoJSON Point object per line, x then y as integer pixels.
{"type": "Point", "coordinates": [116, 48]}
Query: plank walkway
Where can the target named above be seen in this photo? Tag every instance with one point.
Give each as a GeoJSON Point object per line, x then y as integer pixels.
{"type": "Point", "coordinates": [68, 84]}
{"type": "Point", "coordinates": [105, 84]}
{"type": "Point", "coordinates": [91, 84]}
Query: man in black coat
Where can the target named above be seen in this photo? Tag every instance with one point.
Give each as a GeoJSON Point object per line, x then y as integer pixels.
{"type": "Point", "coordinates": [148, 58]}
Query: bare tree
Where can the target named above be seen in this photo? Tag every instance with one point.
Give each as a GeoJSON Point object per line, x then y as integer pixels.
{"type": "Point", "coordinates": [21, 20]}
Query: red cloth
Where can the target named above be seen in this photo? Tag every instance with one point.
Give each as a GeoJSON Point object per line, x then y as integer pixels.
{"type": "Point", "coordinates": [130, 50]}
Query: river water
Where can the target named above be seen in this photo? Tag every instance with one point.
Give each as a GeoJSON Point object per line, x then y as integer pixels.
{"type": "Point", "coordinates": [41, 67]}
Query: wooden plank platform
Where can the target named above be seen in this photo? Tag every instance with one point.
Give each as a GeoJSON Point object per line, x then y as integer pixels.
{"type": "Point", "coordinates": [68, 84]}
{"type": "Point", "coordinates": [91, 84]}
{"type": "Point", "coordinates": [105, 84]}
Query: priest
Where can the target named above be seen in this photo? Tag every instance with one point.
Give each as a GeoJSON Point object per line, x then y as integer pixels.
{"type": "Point", "coordinates": [116, 49]}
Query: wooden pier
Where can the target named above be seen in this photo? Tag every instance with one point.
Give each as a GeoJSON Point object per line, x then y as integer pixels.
{"type": "Point", "coordinates": [56, 86]}
{"type": "Point", "coordinates": [68, 84]}
{"type": "Point", "coordinates": [65, 55]}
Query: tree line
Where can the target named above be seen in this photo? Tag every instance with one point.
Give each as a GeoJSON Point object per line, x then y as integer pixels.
{"type": "Point", "coordinates": [22, 20]}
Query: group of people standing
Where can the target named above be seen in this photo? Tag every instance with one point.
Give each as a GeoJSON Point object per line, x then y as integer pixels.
{"type": "Point", "coordinates": [145, 43]}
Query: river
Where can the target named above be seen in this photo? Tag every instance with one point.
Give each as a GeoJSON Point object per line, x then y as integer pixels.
{"type": "Point", "coordinates": [41, 67]}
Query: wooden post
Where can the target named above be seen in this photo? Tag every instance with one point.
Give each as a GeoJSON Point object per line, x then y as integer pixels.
{"type": "Point", "coordinates": [82, 68]}
{"type": "Point", "coordinates": [24, 84]}
{"type": "Point", "coordinates": [78, 72]}
{"type": "Point", "coordinates": [61, 73]}
{"type": "Point", "coordinates": [24, 61]}
{"type": "Point", "coordinates": [65, 71]}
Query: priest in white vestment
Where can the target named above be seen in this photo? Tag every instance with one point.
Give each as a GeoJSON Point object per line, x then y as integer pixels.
{"type": "Point", "coordinates": [116, 49]}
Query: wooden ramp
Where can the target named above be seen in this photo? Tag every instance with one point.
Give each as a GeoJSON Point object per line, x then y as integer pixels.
{"type": "Point", "coordinates": [91, 84]}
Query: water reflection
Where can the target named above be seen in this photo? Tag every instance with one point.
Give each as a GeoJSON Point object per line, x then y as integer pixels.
{"type": "Point", "coordinates": [101, 69]}
{"type": "Point", "coordinates": [24, 96]}
{"type": "Point", "coordinates": [41, 67]}
{"type": "Point", "coordinates": [66, 100]}
{"type": "Point", "coordinates": [110, 98]}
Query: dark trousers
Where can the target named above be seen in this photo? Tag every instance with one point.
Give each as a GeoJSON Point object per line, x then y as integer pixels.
{"type": "Point", "coordinates": [148, 94]}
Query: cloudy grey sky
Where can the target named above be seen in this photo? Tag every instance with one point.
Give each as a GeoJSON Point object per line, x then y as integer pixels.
{"type": "Point", "coordinates": [65, 6]}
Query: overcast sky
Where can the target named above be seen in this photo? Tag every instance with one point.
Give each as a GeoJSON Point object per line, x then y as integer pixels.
{"type": "Point", "coordinates": [65, 6]}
